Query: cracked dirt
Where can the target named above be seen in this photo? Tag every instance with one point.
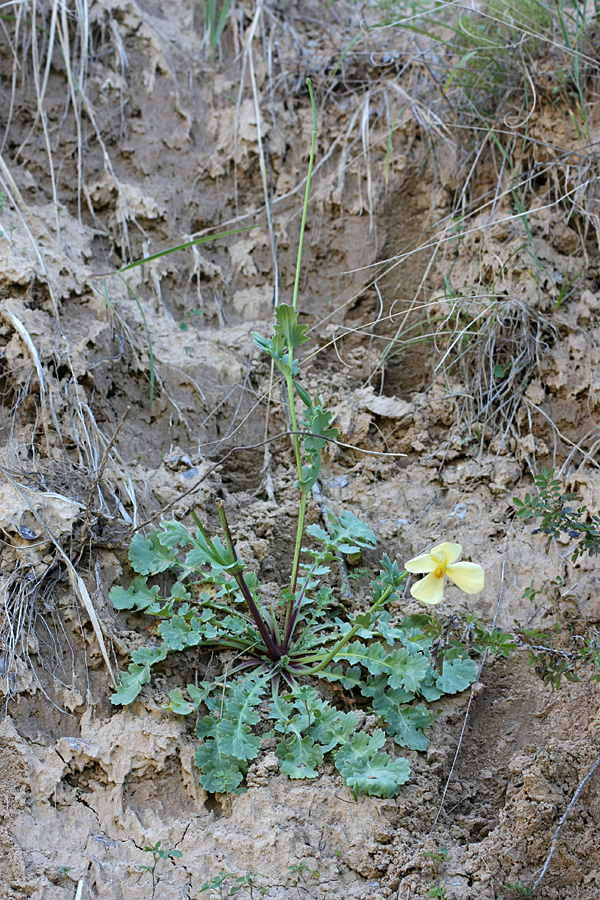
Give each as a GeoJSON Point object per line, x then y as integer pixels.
{"type": "Point", "coordinates": [164, 147]}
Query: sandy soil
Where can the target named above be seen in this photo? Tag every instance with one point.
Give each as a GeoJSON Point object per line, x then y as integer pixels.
{"type": "Point", "coordinates": [411, 303]}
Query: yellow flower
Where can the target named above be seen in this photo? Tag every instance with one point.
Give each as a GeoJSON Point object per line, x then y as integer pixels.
{"type": "Point", "coordinates": [439, 562]}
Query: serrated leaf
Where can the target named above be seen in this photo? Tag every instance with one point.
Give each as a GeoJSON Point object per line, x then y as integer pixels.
{"type": "Point", "coordinates": [137, 596]}
{"type": "Point", "coordinates": [406, 726]}
{"type": "Point", "coordinates": [237, 739]}
{"type": "Point", "coordinates": [371, 658]}
{"type": "Point", "coordinates": [414, 640]}
{"type": "Point", "coordinates": [219, 773]}
{"type": "Point", "coordinates": [148, 556]}
{"type": "Point", "coordinates": [301, 758]}
{"type": "Point", "coordinates": [428, 689]}
{"type": "Point", "coordinates": [349, 679]}
{"type": "Point", "coordinates": [179, 591]}
{"type": "Point", "coordinates": [367, 771]}
{"type": "Point", "coordinates": [178, 704]}
{"type": "Point", "coordinates": [384, 697]}
{"type": "Point", "coordinates": [175, 633]}
{"type": "Point", "coordinates": [287, 326]}
{"type": "Point", "coordinates": [132, 681]}
{"type": "Point", "coordinates": [457, 674]}
{"type": "Point", "coordinates": [178, 633]}
{"type": "Point", "coordinates": [232, 731]}
{"type": "Point", "coordinates": [379, 776]}
{"type": "Point", "coordinates": [148, 656]}
{"type": "Point", "coordinates": [333, 728]}
{"type": "Point", "coordinates": [318, 422]}
{"type": "Point", "coordinates": [317, 532]}
{"type": "Point", "coordinates": [199, 694]}
{"type": "Point", "coordinates": [390, 633]}
{"type": "Point", "coordinates": [174, 534]}
{"type": "Point", "coordinates": [355, 533]}
{"type": "Point", "coordinates": [406, 670]}
{"type": "Point", "coordinates": [362, 747]}
{"type": "Point", "coordinates": [281, 711]}
{"type": "Point", "coordinates": [374, 685]}
{"type": "Point", "coordinates": [347, 534]}
{"type": "Point", "coordinates": [402, 668]}
{"type": "Point", "coordinates": [130, 684]}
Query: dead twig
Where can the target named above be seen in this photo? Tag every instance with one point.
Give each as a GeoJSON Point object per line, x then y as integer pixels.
{"type": "Point", "coordinates": [564, 818]}
{"type": "Point", "coordinates": [472, 694]}
{"type": "Point", "coordinates": [77, 582]}
{"type": "Point", "coordinates": [100, 472]}
{"type": "Point", "coordinates": [262, 443]}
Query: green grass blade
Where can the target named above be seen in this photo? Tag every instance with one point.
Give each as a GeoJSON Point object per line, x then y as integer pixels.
{"type": "Point", "coordinates": [148, 338]}
{"type": "Point", "coordinates": [201, 240]}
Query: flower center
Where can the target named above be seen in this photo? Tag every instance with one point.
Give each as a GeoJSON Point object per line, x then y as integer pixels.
{"type": "Point", "coordinates": [440, 569]}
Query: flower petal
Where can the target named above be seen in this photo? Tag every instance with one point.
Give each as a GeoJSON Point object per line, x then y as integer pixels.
{"type": "Point", "coordinates": [429, 589]}
{"type": "Point", "coordinates": [448, 553]}
{"type": "Point", "coordinates": [467, 576]}
{"type": "Point", "coordinates": [420, 564]}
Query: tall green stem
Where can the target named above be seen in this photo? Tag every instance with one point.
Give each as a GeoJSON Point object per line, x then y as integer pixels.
{"type": "Point", "coordinates": [289, 378]}
{"type": "Point", "coordinates": [306, 192]}
{"type": "Point", "coordinates": [296, 440]}
{"type": "Point", "coordinates": [299, 536]}
{"type": "Point", "coordinates": [348, 637]}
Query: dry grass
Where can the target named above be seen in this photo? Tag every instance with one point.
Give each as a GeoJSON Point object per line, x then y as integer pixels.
{"type": "Point", "coordinates": [433, 97]}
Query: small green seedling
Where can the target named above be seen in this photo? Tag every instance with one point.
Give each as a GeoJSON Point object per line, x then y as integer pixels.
{"type": "Point", "coordinates": [304, 874]}
{"type": "Point", "coordinates": [437, 859]}
{"type": "Point", "coordinates": [519, 888]}
{"type": "Point", "coordinates": [552, 658]}
{"type": "Point", "coordinates": [62, 876]}
{"type": "Point", "coordinates": [438, 890]}
{"type": "Point", "coordinates": [231, 883]}
{"type": "Point", "coordinates": [218, 884]}
{"type": "Point", "coordinates": [157, 855]}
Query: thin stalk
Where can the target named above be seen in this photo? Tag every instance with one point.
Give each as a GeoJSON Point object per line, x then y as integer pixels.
{"type": "Point", "coordinates": [347, 637]}
{"type": "Point", "coordinates": [299, 536]}
{"type": "Point", "coordinates": [289, 378]}
{"type": "Point", "coordinates": [289, 381]}
{"type": "Point", "coordinates": [306, 670]}
{"type": "Point", "coordinates": [224, 642]}
{"type": "Point", "coordinates": [306, 192]}
{"type": "Point", "coordinates": [272, 649]}
{"type": "Point", "coordinates": [274, 626]}
{"type": "Point", "coordinates": [291, 616]}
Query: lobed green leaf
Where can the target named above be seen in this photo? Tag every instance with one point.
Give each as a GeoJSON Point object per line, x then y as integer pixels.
{"type": "Point", "coordinates": [148, 556]}
{"type": "Point", "coordinates": [138, 596]}
{"type": "Point", "coordinates": [406, 726]}
{"type": "Point", "coordinates": [457, 674]}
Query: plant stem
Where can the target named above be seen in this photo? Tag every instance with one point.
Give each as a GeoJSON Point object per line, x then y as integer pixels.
{"type": "Point", "coordinates": [347, 637]}
{"type": "Point", "coordinates": [298, 547]}
{"type": "Point", "coordinates": [272, 649]}
{"type": "Point", "coordinates": [296, 440]}
{"type": "Point", "coordinates": [289, 378]}
{"type": "Point", "coordinates": [306, 192]}
{"type": "Point", "coordinates": [291, 613]}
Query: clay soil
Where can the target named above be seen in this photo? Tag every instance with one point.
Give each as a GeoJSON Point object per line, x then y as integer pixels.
{"type": "Point", "coordinates": [451, 291]}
